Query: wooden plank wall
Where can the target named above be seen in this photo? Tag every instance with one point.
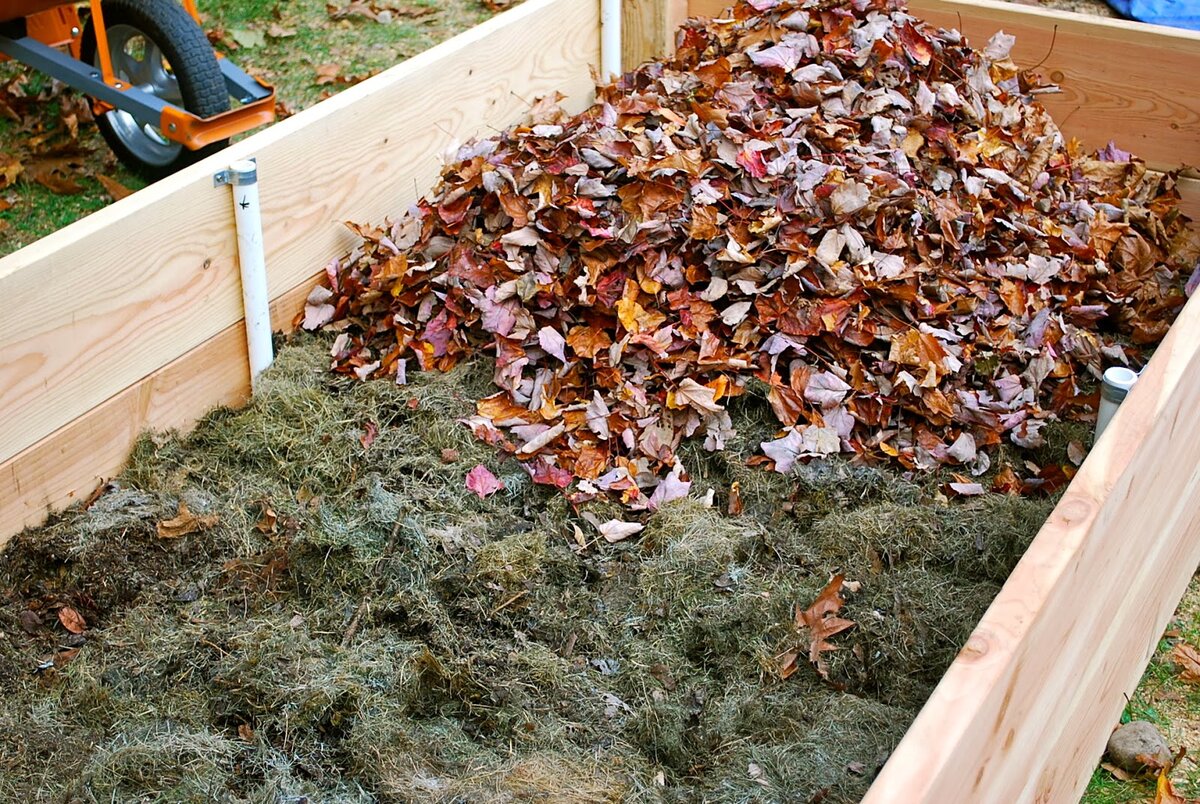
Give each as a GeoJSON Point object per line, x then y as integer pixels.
{"type": "Point", "coordinates": [131, 318]}
{"type": "Point", "coordinates": [1132, 83]}
{"type": "Point", "coordinates": [648, 29]}
{"type": "Point", "coordinates": [1024, 711]}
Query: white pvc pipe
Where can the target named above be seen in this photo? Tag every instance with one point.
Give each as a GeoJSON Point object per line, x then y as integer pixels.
{"type": "Point", "coordinates": [247, 214]}
{"type": "Point", "coordinates": [610, 39]}
{"type": "Point", "coordinates": [1113, 387]}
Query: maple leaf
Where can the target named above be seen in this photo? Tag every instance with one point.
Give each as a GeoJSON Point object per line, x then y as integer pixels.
{"type": "Point", "coordinates": [814, 626]}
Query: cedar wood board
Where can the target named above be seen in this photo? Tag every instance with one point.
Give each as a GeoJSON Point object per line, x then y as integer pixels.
{"type": "Point", "coordinates": [122, 321]}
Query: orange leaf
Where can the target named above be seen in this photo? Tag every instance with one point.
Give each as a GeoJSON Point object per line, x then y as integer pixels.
{"type": "Point", "coordinates": [72, 620]}
{"type": "Point", "coordinates": [1165, 793]}
{"type": "Point", "coordinates": [114, 188]}
{"type": "Point", "coordinates": [1188, 660]}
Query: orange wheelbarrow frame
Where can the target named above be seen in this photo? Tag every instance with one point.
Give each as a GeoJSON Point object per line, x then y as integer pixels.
{"type": "Point", "coordinates": [56, 24]}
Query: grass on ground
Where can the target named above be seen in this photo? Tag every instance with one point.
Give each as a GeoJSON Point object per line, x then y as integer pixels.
{"type": "Point", "coordinates": [284, 43]}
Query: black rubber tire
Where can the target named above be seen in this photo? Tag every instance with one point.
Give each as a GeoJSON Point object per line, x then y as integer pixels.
{"type": "Point", "coordinates": [193, 64]}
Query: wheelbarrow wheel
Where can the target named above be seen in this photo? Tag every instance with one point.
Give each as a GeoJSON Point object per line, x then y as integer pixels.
{"type": "Point", "coordinates": [156, 46]}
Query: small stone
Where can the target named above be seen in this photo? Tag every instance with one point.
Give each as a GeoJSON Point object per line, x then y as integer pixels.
{"type": "Point", "coordinates": [1138, 746]}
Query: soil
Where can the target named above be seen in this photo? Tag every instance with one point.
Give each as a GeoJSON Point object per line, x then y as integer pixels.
{"type": "Point", "coordinates": [347, 622]}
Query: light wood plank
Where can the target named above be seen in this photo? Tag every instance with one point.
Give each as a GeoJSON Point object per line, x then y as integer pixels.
{"type": "Point", "coordinates": [1025, 709]}
{"type": "Point", "coordinates": [1124, 81]}
{"type": "Point", "coordinates": [92, 309]}
{"type": "Point", "coordinates": [648, 29]}
{"type": "Point", "coordinates": [1189, 194]}
{"type": "Point", "coordinates": [69, 464]}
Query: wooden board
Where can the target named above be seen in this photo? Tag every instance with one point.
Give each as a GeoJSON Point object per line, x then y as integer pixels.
{"type": "Point", "coordinates": [1024, 711]}
{"type": "Point", "coordinates": [69, 464]}
{"type": "Point", "coordinates": [1124, 81]}
{"type": "Point", "coordinates": [101, 304]}
{"type": "Point", "coordinates": [648, 29]}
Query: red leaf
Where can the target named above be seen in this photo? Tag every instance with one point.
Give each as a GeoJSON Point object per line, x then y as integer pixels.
{"type": "Point", "coordinates": [481, 481]}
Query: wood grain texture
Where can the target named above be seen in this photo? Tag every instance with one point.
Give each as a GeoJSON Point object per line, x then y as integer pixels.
{"type": "Point", "coordinates": [1124, 81]}
{"type": "Point", "coordinates": [96, 307]}
{"type": "Point", "coordinates": [1024, 711]}
{"type": "Point", "coordinates": [648, 29]}
{"type": "Point", "coordinates": [69, 464]}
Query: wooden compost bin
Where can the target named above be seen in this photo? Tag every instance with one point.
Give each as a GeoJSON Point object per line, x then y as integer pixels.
{"type": "Point", "coordinates": [132, 319]}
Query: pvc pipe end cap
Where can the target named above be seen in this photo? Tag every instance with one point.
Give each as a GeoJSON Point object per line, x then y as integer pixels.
{"type": "Point", "coordinates": [244, 171]}
{"type": "Point", "coordinates": [1120, 377]}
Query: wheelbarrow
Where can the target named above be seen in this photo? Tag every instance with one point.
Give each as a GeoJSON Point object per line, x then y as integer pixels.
{"type": "Point", "coordinates": [161, 97]}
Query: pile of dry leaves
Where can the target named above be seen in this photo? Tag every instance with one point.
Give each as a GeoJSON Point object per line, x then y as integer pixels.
{"type": "Point", "coordinates": [48, 150]}
{"type": "Point", "coordinates": [836, 200]}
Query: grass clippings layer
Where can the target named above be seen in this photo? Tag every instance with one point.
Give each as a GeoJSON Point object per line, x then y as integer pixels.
{"type": "Point", "coordinates": [349, 623]}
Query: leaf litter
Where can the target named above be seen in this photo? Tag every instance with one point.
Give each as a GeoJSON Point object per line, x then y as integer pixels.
{"type": "Point", "coordinates": [387, 633]}
{"type": "Point", "coordinates": [378, 627]}
{"type": "Point", "coordinates": [840, 204]}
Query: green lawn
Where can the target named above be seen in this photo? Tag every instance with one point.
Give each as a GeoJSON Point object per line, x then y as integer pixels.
{"type": "Point", "coordinates": [288, 44]}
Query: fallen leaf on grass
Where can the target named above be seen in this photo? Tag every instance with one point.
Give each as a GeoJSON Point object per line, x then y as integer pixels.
{"type": "Point", "coordinates": [248, 37]}
{"type": "Point", "coordinates": [814, 626]}
{"type": "Point", "coordinates": [1187, 659]}
{"type": "Point", "coordinates": [379, 12]}
{"type": "Point", "coordinates": [370, 433]}
{"type": "Point", "coordinates": [1165, 792]}
{"type": "Point", "coordinates": [72, 620]}
{"type": "Point", "coordinates": [54, 178]}
{"type": "Point", "coordinates": [1076, 453]}
{"type": "Point", "coordinates": [266, 523]}
{"type": "Point", "coordinates": [114, 188]}
{"type": "Point", "coordinates": [736, 505]}
{"type": "Point", "coordinates": [481, 481]}
{"type": "Point", "coordinates": [184, 522]}
{"type": "Point", "coordinates": [329, 73]}
{"type": "Point", "coordinates": [10, 169]}
{"type": "Point", "coordinates": [1118, 773]}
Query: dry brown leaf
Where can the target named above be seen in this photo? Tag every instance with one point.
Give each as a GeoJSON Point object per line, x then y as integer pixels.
{"type": "Point", "coordinates": [266, 523]}
{"type": "Point", "coordinates": [1187, 659]}
{"type": "Point", "coordinates": [736, 505]}
{"type": "Point", "coordinates": [680, 266]}
{"type": "Point", "coordinates": [814, 626]}
{"type": "Point", "coordinates": [1118, 773]}
{"type": "Point", "coordinates": [114, 187]}
{"type": "Point", "coordinates": [328, 73]}
{"type": "Point", "coordinates": [56, 182]}
{"type": "Point", "coordinates": [185, 522]}
{"type": "Point", "coordinates": [72, 620]}
{"type": "Point", "coordinates": [10, 169]}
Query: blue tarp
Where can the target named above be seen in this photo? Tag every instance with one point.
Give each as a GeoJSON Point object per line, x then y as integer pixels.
{"type": "Point", "coordinates": [1176, 13]}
